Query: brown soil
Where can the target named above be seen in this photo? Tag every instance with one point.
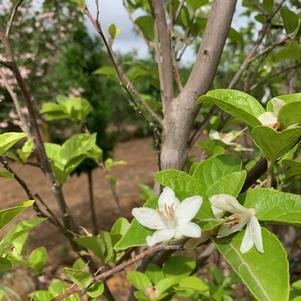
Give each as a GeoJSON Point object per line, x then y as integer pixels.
{"type": "Point", "coordinates": [141, 164]}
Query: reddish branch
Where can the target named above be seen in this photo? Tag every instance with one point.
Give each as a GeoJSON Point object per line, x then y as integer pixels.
{"type": "Point", "coordinates": [107, 274]}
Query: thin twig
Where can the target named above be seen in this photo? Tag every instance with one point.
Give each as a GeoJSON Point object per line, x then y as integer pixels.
{"type": "Point", "coordinates": [105, 275]}
{"type": "Point", "coordinates": [23, 123]}
{"type": "Point", "coordinates": [178, 11]}
{"type": "Point", "coordinates": [40, 148]}
{"type": "Point", "coordinates": [51, 217]}
{"type": "Point", "coordinates": [12, 17]}
{"type": "Point", "coordinates": [259, 83]}
{"type": "Point", "coordinates": [135, 98]}
{"type": "Point", "coordinates": [249, 58]}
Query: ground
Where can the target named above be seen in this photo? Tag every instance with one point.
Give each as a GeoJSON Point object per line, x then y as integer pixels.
{"type": "Point", "coordinates": [141, 164]}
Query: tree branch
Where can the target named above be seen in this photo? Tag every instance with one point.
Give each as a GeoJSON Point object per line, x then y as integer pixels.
{"type": "Point", "coordinates": [105, 275]}
{"type": "Point", "coordinates": [42, 156]}
{"type": "Point", "coordinates": [24, 126]}
{"type": "Point", "coordinates": [12, 17]}
{"type": "Point", "coordinates": [252, 54]}
{"type": "Point", "coordinates": [208, 56]}
{"type": "Point", "coordinates": [135, 98]}
{"type": "Point", "coordinates": [164, 52]}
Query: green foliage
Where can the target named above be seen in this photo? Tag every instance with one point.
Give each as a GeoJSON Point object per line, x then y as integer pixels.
{"type": "Point", "coordinates": [67, 157]}
{"type": "Point", "coordinates": [7, 140]}
{"type": "Point", "coordinates": [266, 275]}
{"type": "Point", "coordinates": [73, 108]}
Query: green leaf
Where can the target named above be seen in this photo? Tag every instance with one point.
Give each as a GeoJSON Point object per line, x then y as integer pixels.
{"type": "Point", "coordinates": [114, 31]}
{"type": "Point", "coordinates": [5, 264]}
{"type": "Point", "coordinates": [275, 144]}
{"type": "Point", "coordinates": [268, 5]}
{"type": "Point", "coordinates": [6, 174]}
{"type": "Point", "coordinates": [17, 231]}
{"type": "Point", "coordinates": [195, 4]}
{"type": "Point", "coordinates": [120, 226]}
{"type": "Point", "coordinates": [40, 295]}
{"type": "Point", "coordinates": [290, 20]}
{"type": "Point", "coordinates": [290, 114]}
{"type": "Point", "coordinates": [108, 71]}
{"type": "Point", "coordinates": [209, 171]}
{"type": "Point", "coordinates": [229, 184]}
{"type": "Point", "coordinates": [179, 266]}
{"type": "Point", "coordinates": [236, 103]}
{"type": "Point", "coordinates": [7, 140]}
{"type": "Point", "coordinates": [193, 283]}
{"type": "Point", "coordinates": [26, 150]}
{"type": "Point", "coordinates": [96, 290]}
{"type": "Point", "coordinates": [80, 278]}
{"type": "Point", "coordinates": [6, 215]}
{"type": "Point", "coordinates": [154, 273]}
{"type": "Point", "coordinates": [266, 275]}
{"type": "Point", "coordinates": [38, 259]}
{"type": "Point", "coordinates": [183, 184]}
{"type": "Point", "coordinates": [294, 168]}
{"type": "Point", "coordinates": [274, 206]}
{"type": "Point", "coordinates": [100, 245]}
{"type": "Point", "coordinates": [139, 280]}
{"type": "Point", "coordinates": [136, 234]}
{"type": "Point", "coordinates": [163, 285]}
{"type": "Point", "coordinates": [146, 25]}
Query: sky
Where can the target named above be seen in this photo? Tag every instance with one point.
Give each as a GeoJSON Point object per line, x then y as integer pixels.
{"type": "Point", "coordinates": [112, 11]}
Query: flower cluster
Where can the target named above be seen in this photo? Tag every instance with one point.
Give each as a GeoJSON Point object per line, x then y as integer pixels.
{"type": "Point", "coordinates": [173, 219]}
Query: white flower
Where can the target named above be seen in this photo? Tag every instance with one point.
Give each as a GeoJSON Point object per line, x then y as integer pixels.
{"type": "Point", "coordinates": [241, 216]}
{"type": "Point", "coordinates": [270, 119]}
{"type": "Point", "coordinates": [228, 138]}
{"type": "Point", "coordinates": [172, 219]}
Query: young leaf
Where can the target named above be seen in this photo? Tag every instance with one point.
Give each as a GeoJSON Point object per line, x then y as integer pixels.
{"type": "Point", "coordinates": [139, 280]}
{"type": "Point", "coordinates": [193, 283]}
{"type": "Point", "coordinates": [146, 25]}
{"type": "Point", "coordinates": [236, 103]}
{"type": "Point", "coordinates": [80, 278]}
{"type": "Point", "coordinates": [26, 150]}
{"type": "Point", "coordinates": [290, 20]}
{"type": "Point", "coordinates": [266, 275]}
{"type": "Point", "coordinates": [275, 144]}
{"type": "Point", "coordinates": [37, 259]}
{"type": "Point", "coordinates": [154, 273]}
{"type": "Point", "coordinates": [7, 140]}
{"type": "Point", "coordinates": [274, 206]}
{"type": "Point", "coordinates": [179, 266]}
{"type": "Point", "coordinates": [96, 290]}
{"type": "Point", "coordinates": [5, 264]}
{"type": "Point", "coordinates": [6, 215]}
{"type": "Point", "coordinates": [114, 31]}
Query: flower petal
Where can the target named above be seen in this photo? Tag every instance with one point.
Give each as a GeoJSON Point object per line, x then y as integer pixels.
{"type": "Point", "coordinates": [218, 213]}
{"type": "Point", "coordinates": [167, 199]}
{"type": "Point", "coordinates": [228, 203]}
{"type": "Point", "coordinates": [256, 232]}
{"type": "Point", "coordinates": [188, 230]}
{"type": "Point", "coordinates": [268, 119]}
{"type": "Point", "coordinates": [228, 228]}
{"type": "Point", "coordinates": [148, 217]}
{"type": "Point", "coordinates": [247, 241]}
{"type": "Point", "coordinates": [277, 105]}
{"type": "Point", "coordinates": [188, 209]}
{"type": "Point", "coordinates": [159, 236]}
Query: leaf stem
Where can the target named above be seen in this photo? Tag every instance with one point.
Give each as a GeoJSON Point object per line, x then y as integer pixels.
{"type": "Point", "coordinates": [270, 173]}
